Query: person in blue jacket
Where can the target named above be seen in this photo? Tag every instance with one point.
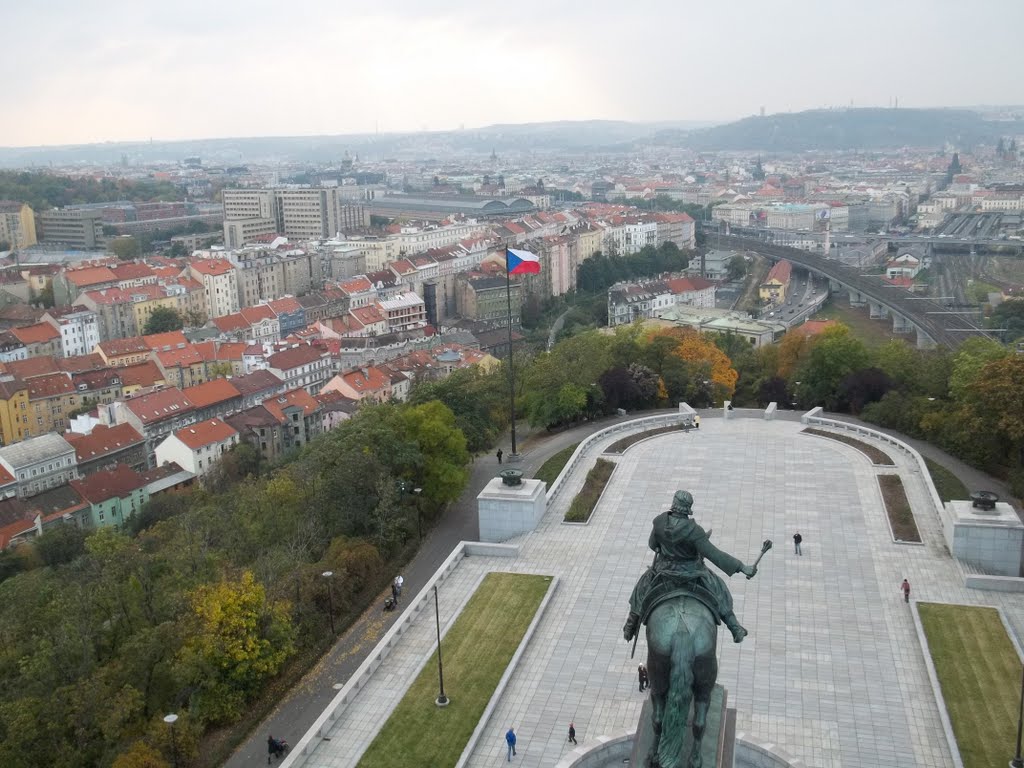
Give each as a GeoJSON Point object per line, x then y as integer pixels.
{"type": "Point", "coordinates": [510, 739]}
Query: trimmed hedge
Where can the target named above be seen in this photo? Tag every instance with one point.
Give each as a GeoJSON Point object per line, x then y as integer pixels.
{"type": "Point", "coordinates": [583, 505]}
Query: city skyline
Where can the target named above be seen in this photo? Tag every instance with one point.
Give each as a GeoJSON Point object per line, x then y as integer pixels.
{"type": "Point", "coordinates": [111, 71]}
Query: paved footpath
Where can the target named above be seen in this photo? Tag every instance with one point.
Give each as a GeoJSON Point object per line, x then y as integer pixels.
{"type": "Point", "coordinates": [811, 585]}
{"type": "Point", "coordinates": [294, 714]}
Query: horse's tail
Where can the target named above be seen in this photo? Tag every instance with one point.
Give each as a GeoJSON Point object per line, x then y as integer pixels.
{"type": "Point", "coordinates": [677, 700]}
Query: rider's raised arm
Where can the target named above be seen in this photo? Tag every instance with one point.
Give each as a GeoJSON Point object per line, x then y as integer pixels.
{"type": "Point", "coordinates": [723, 560]}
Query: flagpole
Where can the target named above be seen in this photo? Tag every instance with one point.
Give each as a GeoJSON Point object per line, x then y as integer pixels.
{"type": "Point", "coordinates": [511, 357]}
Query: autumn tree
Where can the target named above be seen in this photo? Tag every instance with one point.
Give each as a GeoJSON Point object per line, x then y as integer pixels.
{"type": "Point", "coordinates": [237, 639]}
{"type": "Point", "coordinates": [162, 320]}
{"type": "Point", "coordinates": [834, 355]}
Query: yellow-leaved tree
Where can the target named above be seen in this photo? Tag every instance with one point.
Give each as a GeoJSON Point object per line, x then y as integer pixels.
{"type": "Point", "coordinates": [236, 640]}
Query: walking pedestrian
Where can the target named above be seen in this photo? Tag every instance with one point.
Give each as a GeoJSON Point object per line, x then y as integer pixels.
{"type": "Point", "coordinates": [905, 586]}
{"type": "Point", "coordinates": [797, 540]}
{"type": "Point", "coordinates": [510, 739]}
{"type": "Point", "coordinates": [572, 733]}
{"type": "Point", "coordinates": [394, 591]}
{"type": "Point", "coordinates": [499, 454]}
{"type": "Point", "coordinates": [641, 673]}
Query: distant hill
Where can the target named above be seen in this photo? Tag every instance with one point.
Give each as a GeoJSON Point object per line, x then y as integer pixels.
{"type": "Point", "coordinates": [563, 136]}
{"type": "Point", "coordinates": [846, 129]}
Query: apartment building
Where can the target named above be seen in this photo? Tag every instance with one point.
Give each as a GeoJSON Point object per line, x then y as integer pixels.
{"type": "Point", "coordinates": [403, 312]}
{"type": "Point", "coordinates": [198, 447]}
{"type": "Point", "coordinates": [17, 225]}
{"type": "Point", "coordinates": [220, 286]}
{"type": "Point", "coordinates": [78, 327]}
{"type": "Point", "coordinates": [39, 463]}
{"type": "Point", "coordinates": [77, 228]}
{"type": "Point", "coordinates": [301, 213]}
{"type": "Point", "coordinates": [301, 366]}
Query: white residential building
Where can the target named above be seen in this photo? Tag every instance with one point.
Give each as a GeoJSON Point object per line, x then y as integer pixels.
{"type": "Point", "coordinates": [220, 287]}
{"type": "Point", "coordinates": [404, 311]}
{"type": "Point", "coordinates": [197, 448]}
{"type": "Point", "coordinates": [79, 331]}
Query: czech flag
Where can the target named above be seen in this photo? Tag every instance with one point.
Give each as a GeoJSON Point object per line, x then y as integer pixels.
{"type": "Point", "coordinates": [521, 262]}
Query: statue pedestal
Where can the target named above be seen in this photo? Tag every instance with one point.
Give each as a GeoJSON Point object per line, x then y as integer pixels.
{"type": "Point", "coordinates": [505, 511]}
{"type": "Point", "coordinates": [719, 736]}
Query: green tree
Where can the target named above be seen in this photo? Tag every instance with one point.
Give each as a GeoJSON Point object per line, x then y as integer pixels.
{"type": "Point", "coordinates": [236, 640]}
{"type": "Point", "coordinates": [125, 247]}
{"type": "Point", "coordinates": [971, 358]}
{"type": "Point", "coordinates": [440, 468]}
{"type": "Point", "coordinates": [162, 320]}
{"type": "Point", "coordinates": [1010, 315]}
{"type": "Point", "coordinates": [834, 356]}
{"type": "Point", "coordinates": [736, 268]}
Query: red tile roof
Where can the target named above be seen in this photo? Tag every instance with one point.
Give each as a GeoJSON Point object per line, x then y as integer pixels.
{"type": "Point", "coordinates": [232, 322]}
{"type": "Point", "coordinates": [781, 272]}
{"type": "Point", "coordinates": [212, 267]}
{"type": "Point", "coordinates": [132, 271]}
{"type": "Point", "coordinates": [80, 363]}
{"type": "Point", "coordinates": [294, 357]}
{"type": "Point", "coordinates": [284, 304]}
{"type": "Point", "coordinates": [355, 285]}
{"type": "Point", "coordinates": [211, 392]}
{"type": "Point", "coordinates": [141, 374]}
{"type": "Point", "coordinates": [157, 406]}
{"type": "Point", "coordinates": [53, 385]}
{"type": "Point", "coordinates": [118, 347]}
{"type": "Point", "coordinates": [40, 333]}
{"type": "Point", "coordinates": [176, 358]}
{"type": "Point", "coordinates": [171, 339]}
{"type": "Point", "coordinates": [257, 381]}
{"type": "Point", "coordinates": [368, 314]}
{"type": "Point", "coordinates": [116, 483]}
{"type": "Point", "coordinates": [30, 368]}
{"type": "Point", "coordinates": [90, 276]}
{"type": "Point", "coordinates": [205, 433]}
{"type": "Point", "coordinates": [292, 398]}
{"type": "Point", "coordinates": [367, 379]}
{"type": "Point", "coordinates": [103, 440]}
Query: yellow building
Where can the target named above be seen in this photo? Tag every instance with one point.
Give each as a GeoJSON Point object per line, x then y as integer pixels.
{"type": "Point", "coordinates": [774, 288]}
{"type": "Point", "coordinates": [51, 399]}
{"type": "Point", "coordinates": [13, 411]}
{"type": "Point", "coordinates": [17, 224]}
{"type": "Point", "coordinates": [143, 309]}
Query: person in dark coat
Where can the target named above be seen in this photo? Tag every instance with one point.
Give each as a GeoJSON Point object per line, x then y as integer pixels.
{"type": "Point", "coordinates": [572, 733]}
{"type": "Point", "coordinates": [797, 541]}
{"type": "Point", "coordinates": [641, 673]}
{"type": "Point", "coordinates": [499, 454]}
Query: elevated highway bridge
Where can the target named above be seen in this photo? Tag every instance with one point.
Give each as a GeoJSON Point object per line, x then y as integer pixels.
{"type": "Point", "coordinates": [932, 321]}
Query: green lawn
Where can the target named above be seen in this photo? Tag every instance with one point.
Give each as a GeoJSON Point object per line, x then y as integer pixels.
{"type": "Point", "coordinates": [475, 652]}
{"type": "Point", "coordinates": [551, 468]}
{"type": "Point", "coordinates": [979, 673]}
{"type": "Point", "coordinates": [948, 485]}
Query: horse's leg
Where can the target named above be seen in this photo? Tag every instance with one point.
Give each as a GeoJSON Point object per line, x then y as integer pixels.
{"type": "Point", "coordinates": [705, 674]}
{"type": "Point", "coordinates": [657, 712]}
{"type": "Point", "coordinates": [677, 703]}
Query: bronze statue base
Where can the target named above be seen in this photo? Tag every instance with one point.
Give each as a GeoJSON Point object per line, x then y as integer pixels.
{"type": "Point", "coordinates": [717, 749]}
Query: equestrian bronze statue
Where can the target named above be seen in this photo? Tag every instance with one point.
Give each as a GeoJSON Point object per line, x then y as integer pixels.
{"type": "Point", "coordinates": [682, 602]}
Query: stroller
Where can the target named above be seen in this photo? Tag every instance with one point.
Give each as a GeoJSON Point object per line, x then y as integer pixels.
{"type": "Point", "coordinates": [389, 604]}
{"type": "Point", "coordinates": [276, 749]}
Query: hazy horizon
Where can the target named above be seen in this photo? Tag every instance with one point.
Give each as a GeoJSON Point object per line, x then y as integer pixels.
{"type": "Point", "coordinates": [111, 71]}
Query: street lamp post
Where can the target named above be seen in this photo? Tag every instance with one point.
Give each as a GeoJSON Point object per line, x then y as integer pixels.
{"type": "Point", "coordinates": [1017, 761]}
{"type": "Point", "coordinates": [419, 511]}
{"type": "Point", "coordinates": [441, 700]}
{"type": "Point", "coordinates": [330, 599]}
{"type": "Point", "coordinates": [172, 718]}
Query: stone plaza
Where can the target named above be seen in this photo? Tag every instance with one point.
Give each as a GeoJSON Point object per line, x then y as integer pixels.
{"type": "Point", "coordinates": [833, 673]}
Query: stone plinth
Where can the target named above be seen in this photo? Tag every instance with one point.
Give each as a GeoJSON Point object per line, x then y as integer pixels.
{"type": "Point", "coordinates": [713, 748]}
{"type": "Point", "coordinates": [990, 540]}
{"type": "Point", "coordinates": [505, 511]}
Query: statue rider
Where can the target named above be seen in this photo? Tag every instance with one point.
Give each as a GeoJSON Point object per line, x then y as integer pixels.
{"type": "Point", "coordinates": [680, 547]}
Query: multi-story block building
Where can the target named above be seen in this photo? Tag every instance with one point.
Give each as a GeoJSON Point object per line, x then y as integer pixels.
{"type": "Point", "coordinates": [51, 399]}
{"type": "Point", "coordinates": [11, 349]}
{"type": "Point", "coordinates": [776, 285]}
{"type": "Point", "coordinates": [105, 447]}
{"type": "Point", "coordinates": [404, 311]}
{"type": "Point", "coordinates": [198, 447]}
{"type": "Point", "coordinates": [154, 416]}
{"type": "Point", "coordinates": [301, 366]}
{"type": "Point", "coordinates": [98, 387]}
{"type": "Point", "coordinates": [17, 225]}
{"type": "Point", "coordinates": [633, 301]}
{"type": "Point", "coordinates": [300, 415]}
{"type": "Point", "coordinates": [79, 329]}
{"type": "Point", "coordinates": [302, 213]}
{"type": "Point", "coordinates": [214, 399]}
{"type": "Point", "coordinates": [78, 228]}
{"type": "Point", "coordinates": [39, 463]}
{"type": "Point", "coordinates": [115, 495]}
{"type": "Point", "coordinates": [14, 425]}
{"type": "Point", "coordinates": [118, 353]}
{"type": "Point", "coordinates": [39, 340]}
{"type": "Point", "coordinates": [482, 297]}
{"type": "Point", "coordinates": [220, 286]}
{"type": "Point", "coordinates": [257, 386]}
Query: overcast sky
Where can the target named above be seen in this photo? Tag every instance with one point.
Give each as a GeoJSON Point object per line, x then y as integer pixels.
{"type": "Point", "coordinates": [111, 70]}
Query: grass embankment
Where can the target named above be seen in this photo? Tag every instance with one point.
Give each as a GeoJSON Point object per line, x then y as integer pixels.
{"type": "Point", "coordinates": [948, 485]}
{"type": "Point", "coordinates": [552, 468]}
{"type": "Point", "coordinates": [620, 446]}
{"type": "Point", "coordinates": [494, 621]}
{"type": "Point", "coordinates": [583, 505]}
{"type": "Point", "coordinates": [979, 673]}
{"type": "Point", "coordinates": [897, 507]}
{"type": "Point", "coordinates": [876, 455]}
{"type": "Point", "coordinates": [874, 333]}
